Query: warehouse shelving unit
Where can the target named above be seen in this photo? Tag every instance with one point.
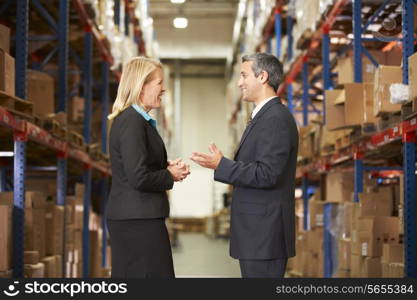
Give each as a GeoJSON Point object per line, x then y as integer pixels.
{"type": "Point", "coordinates": [23, 130]}
{"type": "Point", "coordinates": [404, 131]}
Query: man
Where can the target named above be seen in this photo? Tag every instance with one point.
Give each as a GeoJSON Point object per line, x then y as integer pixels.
{"type": "Point", "coordinates": [262, 174]}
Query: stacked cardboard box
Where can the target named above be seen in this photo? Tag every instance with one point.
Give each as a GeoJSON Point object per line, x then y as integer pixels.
{"type": "Point", "coordinates": [339, 186]}
{"type": "Point", "coordinates": [7, 63]}
{"type": "Point", "coordinates": [73, 234]}
{"type": "Point", "coordinates": [40, 91]}
{"type": "Point", "coordinates": [54, 230]}
{"type": "Point", "coordinates": [35, 225]}
{"type": "Point", "coordinates": [384, 77]}
{"type": "Point", "coordinates": [6, 207]}
{"type": "Point", "coordinates": [412, 79]}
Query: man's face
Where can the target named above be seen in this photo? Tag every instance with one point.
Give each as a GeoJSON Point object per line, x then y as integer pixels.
{"type": "Point", "coordinates": [248, 83]}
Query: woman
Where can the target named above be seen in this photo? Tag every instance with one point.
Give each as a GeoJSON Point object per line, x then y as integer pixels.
{"type": "Point", "coordinates": [138, 202]}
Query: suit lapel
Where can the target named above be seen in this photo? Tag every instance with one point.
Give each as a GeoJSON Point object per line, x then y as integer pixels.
{"type": "Point", "coordinates": [252, 124]}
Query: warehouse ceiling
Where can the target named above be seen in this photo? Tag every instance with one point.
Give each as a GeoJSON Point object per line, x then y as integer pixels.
{"type": "Point", "coordinates": [208, 34]}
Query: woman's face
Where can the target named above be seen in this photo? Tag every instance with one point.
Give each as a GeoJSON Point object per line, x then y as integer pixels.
{"type": "Point", "coordinates": [152, 91]}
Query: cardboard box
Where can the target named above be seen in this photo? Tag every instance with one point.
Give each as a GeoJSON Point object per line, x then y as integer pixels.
{"type": "Point", "coordinates": [35, 199]}
{"type": "Point", "coordinates": [412, 79]}
{"type": "Point", "coordinates": [384, 77]}
{"type": "Point", "coordinates": [79, 191]}
{"type": "Point", "coordinates": [393, 270]}
{"type": "Point", "coordinates": [372, 267]}
{"type": "Point", "coordinates": [69, 214]}
{"type": "Point", "coordinates": [46, 186]}
{"type": "Point", "coordinates": [7, 73]}
{"type": "Point", "coordinates": [6, 274]}
{"type": "Point", "coordinates": [5, 237]}
{"type": "Point", "coordinates": [335, 114]}
{"type": "Point", "coordinates": [393, 253]}
{"type": "Point", "coordinates": [95, 253]}
{"type": "Point", "coordinates": [76, 109]}
{"type": "Point", "coordinates": [356, 263]}
{"type": "Point", "coordinates": [344, 254]}
{"type": "Point", "coordinates": [339, 186]}
{"type": "Point", "coordinates": [50, 266]}
{"type": "Point", "coordinates": [5, 38]}
{"type": "Point", "coordinates": [347, 225]}
{"type": "Point", "coordinates": [315, 240]}
{"type": "Point", "coordinates": [358, 102]}
{"type": "Point", "coordinates": [35, 230]}
{"type": "Point", "coordinates": [54, 229]}
{"type": "Point", "coordinates": [315, 213]}
{"type": "Point", "coordinates": [31, 257]}
{"type": "Point", "coordinates": [41, 91]}
{"type": "Point", "coordinates": [6, 198]}
{"type": "Point", "coordinates": [376, 204]}
{"type": "Point", "coordinates": [34, 271]}
{"type": "Point", "coordinates": [372, 233]}
{"type": "Point", "coordinates": [345, 69]}
{"type": "Point", "coordinates": [59, 270]}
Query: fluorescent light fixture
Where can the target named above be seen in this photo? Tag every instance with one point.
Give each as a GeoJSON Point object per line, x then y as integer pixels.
{"type": "Point", "coordinates": [180, 22]}
{"type": "Point", "coordinates": [6, 153]}
{"type": "Point", "coordinates": [177, 1]}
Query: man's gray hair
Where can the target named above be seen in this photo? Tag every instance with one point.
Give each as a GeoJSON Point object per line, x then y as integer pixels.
{"type": "Point", "coordinates": [268, 63]}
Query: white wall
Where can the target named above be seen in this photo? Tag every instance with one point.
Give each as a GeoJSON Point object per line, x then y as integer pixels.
{"type": "Point", "coordinates": [203, 38]}
{"type": "Point", "coordinates": [203, 121]}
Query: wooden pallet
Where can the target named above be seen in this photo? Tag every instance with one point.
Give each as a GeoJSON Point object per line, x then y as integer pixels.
{"type": "Point", "coordinates": [55, 128]}
{"type": "Point", "coordinates": [388, 120]}
{"type": "Point", "coordinates": [76, 140]}
{"type": "Point", "coordinates": [15, 104]}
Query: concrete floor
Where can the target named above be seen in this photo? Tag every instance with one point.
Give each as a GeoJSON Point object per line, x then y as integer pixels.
{"type": "Point", "coordinates": [200, 256]}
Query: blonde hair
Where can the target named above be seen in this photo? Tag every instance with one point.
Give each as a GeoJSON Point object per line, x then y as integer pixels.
{"type": "Point", "coordinates": [136, 72]}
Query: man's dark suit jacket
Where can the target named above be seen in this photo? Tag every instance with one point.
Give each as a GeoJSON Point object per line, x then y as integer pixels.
{"type": "Point", "coordinates": [139, 169]}
{"type": "Point", "coordinates": [263, 176]}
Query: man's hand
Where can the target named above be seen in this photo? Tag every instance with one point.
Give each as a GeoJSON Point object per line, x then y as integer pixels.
{"type": "Point", "coordinates": [178, 169]}
{"type": "Point", "coordinates": [210, 161]}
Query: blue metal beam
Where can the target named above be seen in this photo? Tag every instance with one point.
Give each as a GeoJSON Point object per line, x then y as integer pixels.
{"type": "Point", "coordinates": [48, 58]}
{"type": "Point", "coordinates": [278, 32]}
{"type": "Point", "coordinates": [77, 58]}
{"type": "Point", "coordinates": [306, 99]}
{"type": "Point", "coordinates": [19, 205]}
{"type": "Point", "coordinates": [374, 168]}
{"type": "Point", "coordinates": [22, 23]}
{"type": "Point", "coordinates": [410, 231]}
{"type": "Point", "coordinates": [61, 180]}
{"type": "Point", "coordinates": [3, 179]}
{"type": "Point", "coordinates": [104, 195]}
{"type": "Point", "coordinates": [371, 57]}
{"type": "Point", "coordinates": [104, 105]}
{"type": "Point", "coordinates": [290, 38]}
{"type": "Point", "coordinates": [86, 217]}
{"type": "Point", "coordinates": [358, 174]}
{"type": "Point", "coordinates": [88, 84]}
{"type": "Point", "coordinates": [289, 97]}
{"type": "Point", "coordinates": [357, 40]}
{"type": "Point", "coordinates": [306, 216]}
{"type": "Point", "coordinates": [327, 81]}
{"type": "Point", "coordinates": [328, 249]}
{"type": "Point", "coordinates": [45, 14]}
{"type": "Point", "coordinates": [64, 8]}
{"type": "Point", "coordinates": [407, 35]}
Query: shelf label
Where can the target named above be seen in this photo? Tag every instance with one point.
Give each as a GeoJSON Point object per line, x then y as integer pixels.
{"type": "Point", "coordinates": [413, 121]}
{"type": "Point", "coordinates": [396, 129]}
{"type": "Point", "coordinates": [386, 138]}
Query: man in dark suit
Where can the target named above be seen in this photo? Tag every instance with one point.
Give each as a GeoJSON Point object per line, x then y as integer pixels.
{"type": "Point", "coordinates": [262, 174]}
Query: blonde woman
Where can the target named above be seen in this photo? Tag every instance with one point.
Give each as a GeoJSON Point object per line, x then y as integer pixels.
{"type": "Point", "coordinates": [138, 203]}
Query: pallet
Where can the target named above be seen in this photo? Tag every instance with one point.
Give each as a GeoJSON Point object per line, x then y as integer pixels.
{"type": "Point", "coordinates": [15, 104]}
{"type": "Point", "coordinates": [55, 128]}
{"type": "Point", "coordinates": [388, 120]}
{"type": "Point", "coordinates": [76, 140]}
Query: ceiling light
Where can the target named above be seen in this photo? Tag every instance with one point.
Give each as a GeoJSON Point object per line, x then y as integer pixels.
{"type": "Point", "coordinates": [177, 1]}
{"type": "Point", "coordinates": [180, 22]}
{"type": "Point", "coordinates": [6, 153]}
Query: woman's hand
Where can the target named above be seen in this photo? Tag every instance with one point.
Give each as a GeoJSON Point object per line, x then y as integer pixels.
{"type": "Point", "coordinates": [178, 169]}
